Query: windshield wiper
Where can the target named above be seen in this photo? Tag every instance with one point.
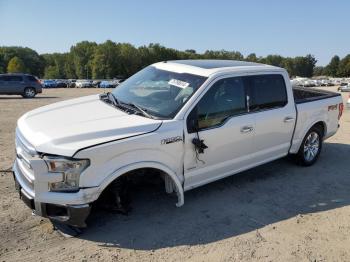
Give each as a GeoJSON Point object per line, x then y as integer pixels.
{"type": "Point", "coordinates": [111, 98]}
{"type": "Point", "coordinates": [140, 109]}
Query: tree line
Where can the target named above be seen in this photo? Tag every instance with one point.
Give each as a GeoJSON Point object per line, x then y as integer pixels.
{"type": "Point", "coordinates": [336, 68]}
{"type": "Point", "coordinates": [110, 60]}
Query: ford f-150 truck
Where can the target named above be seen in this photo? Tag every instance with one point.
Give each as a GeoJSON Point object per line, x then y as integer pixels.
{"type": "Point", "coordinates": [189, 122]}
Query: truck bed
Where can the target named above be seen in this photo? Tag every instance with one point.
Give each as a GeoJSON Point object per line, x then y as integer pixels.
{"type": "Point", "coordinates": [304, 95]}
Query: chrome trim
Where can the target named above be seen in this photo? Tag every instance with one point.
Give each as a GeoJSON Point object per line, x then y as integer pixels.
{"type": "Point", "coordinates": [27, 146]}
{"type": "Point", "coordinates": [22, 167]}
{"type": "Point", "coordinates": [24, 183]}
{"type": "Point", "coordinates": [26, 173]}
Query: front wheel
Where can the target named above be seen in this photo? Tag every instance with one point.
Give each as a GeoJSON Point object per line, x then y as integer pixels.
{"type": "Point", "coordinates": [29, 92]}
{"type": "Point", "coordinates": [310, 148]}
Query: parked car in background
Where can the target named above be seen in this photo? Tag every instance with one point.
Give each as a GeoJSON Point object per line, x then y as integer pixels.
{"type": "Point", "coordinates": [309, 83]}
{"type": "Point", "coordinates": [83, 83]}
{"type": "Point", "coordinates": [49, 83]}
{"type": "Point", "coordinates": [324, 82]}
{"type": "Point", "coordinates": [107, 84]}
{"type": "Point", "coordinates": [344, 88]}
{"type": "Point", "coordinates": [20, 84]}
{"type": "Point", "coordinates": [317, 82]}
{"type": "Point", "coordinates": [71, 83]}
{"type": "Point", "coordinates": [96, 83]}
{"type": "Point", "coordinates": [121, 80]}
{"type": "Point", "coordinates": [61, 83]}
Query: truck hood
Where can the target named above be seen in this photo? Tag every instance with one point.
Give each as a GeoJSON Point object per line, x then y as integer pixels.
{"type": "Point", "coordinates": [65, 127]}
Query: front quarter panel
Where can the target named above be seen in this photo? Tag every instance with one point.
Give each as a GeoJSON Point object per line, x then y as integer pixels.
{"type": "Point", "coordinates": [109, 159]}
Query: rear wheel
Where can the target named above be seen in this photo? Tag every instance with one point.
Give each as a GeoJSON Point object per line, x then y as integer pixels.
{"type": "Point", "coordinates": [29, 92]}
{"type": "Point", "coordinates": [310, 148]}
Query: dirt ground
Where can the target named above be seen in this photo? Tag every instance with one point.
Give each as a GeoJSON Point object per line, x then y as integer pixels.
{"type": "Point", "coordinates": [276, 212]}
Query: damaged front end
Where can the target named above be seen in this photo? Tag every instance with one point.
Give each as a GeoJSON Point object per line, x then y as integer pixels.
{"type": "Point", "coordinates": [49, 185]}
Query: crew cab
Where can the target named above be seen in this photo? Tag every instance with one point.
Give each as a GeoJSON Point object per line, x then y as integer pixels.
{"type": "Point", "coordinates": [190, 122]}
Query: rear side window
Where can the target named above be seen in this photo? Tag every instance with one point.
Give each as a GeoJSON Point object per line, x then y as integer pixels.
{"type": "Point", "coordinates": [266, 92]}
{"type": "Point", "coordinates": [6, 78]}
{"type": "Point", "coordinates": [13, 78]}
{"type": "Point", "coordinates": [31, 78]}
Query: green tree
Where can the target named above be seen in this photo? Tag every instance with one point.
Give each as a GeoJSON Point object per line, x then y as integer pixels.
{"type": "Point", "coordinates": [16, 65]}
{"type": "Point", "coordinates": [319, 71]}
{"type": "Point", "coordinates": [304, 65]}
{"type": "Point", "coordinates": [105, 63]}
{"type": "Point", "coordinates": [2, 64]}
{"type": "Point", "coordinates": [129, 60]}
{"type": "Point", "coordinates": [288, 64]}
{"type": "Point", "coordinates": [223, 54]}
{"type": "Point", "coordinates": [33, 63]}
{"type": "Point", "coordinates": [251, 58]}
{"type": "Point", "coordinates": [83, 53]}
{"type": "Point", "coordinates": [275, 60]}
{"type": "Point", "coordinates": [69, 69]}
{"type": "Point", "coordinates": [344, 67]}
{"type": "Point", "coordinates": [333, 66]}
{"type": "Point", "coordinates": [52, 72]}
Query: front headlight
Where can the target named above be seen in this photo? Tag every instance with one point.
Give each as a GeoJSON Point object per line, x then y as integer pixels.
{"type": "Point", "coordinates": [70, 169]}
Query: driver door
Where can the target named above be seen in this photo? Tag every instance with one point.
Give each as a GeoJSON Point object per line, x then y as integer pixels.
{"type": "Point", "coordinates": [220, 119]}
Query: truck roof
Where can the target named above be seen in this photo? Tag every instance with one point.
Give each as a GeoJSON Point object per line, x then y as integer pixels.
{"type": "Point", "coordinates": [207, 67]}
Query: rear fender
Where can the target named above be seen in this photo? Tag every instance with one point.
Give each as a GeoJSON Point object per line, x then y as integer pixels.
{"type": "Point", "coordinates": [297, 142]}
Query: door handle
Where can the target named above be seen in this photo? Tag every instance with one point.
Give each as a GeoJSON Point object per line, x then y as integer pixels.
{"type": "Point", "coordinates": [247, 129]}
{"type": "Point", "coordinates": [288, 119]}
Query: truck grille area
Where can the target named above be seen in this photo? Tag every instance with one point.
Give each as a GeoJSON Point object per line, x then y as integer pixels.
{"type": "Point", "coordinates": [22, 167]}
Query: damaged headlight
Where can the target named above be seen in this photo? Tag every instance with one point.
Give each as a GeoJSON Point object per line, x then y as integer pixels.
{"type": "Point", "coordinates": [70, 169]}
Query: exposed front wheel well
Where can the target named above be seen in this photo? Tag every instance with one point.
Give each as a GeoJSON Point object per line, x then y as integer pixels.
{"type": "Point", "coordinates": [118, 194]}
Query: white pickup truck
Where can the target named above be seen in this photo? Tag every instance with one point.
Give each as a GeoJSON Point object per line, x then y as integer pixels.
{"type": "Point", "coordinates": [189, 122]}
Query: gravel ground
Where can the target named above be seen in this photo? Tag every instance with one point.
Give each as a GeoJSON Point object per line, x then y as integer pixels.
{"type": "Point", "coordinates": [276, 212]}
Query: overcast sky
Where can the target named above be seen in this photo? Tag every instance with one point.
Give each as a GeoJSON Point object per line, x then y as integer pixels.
{"type": "Point", "coordinates": [288, 28]}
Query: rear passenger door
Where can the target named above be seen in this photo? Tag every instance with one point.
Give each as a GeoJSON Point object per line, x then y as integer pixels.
{"type": "Point", "coordinates": [273, 108]}
{"type": "Point", "coordinates": [3, 84]}
{"type": "Point", "coordinates": [16, 84]}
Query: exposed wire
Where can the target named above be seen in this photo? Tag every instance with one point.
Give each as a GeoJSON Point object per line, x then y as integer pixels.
{"type": "Point", "coordinates": [196, 150]}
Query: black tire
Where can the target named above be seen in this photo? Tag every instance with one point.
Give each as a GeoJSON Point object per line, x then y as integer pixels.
{"type": "Point", "coordinates": [310, 148]}
{"type": "Point", "coordinates": [29, 92]}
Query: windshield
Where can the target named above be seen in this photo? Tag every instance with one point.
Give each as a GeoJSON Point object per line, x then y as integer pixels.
{"type": "Point", "coordinates": [161, 93]}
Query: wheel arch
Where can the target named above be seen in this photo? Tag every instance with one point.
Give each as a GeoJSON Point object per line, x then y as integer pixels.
{"type": "Point", "coordinates": [322, 126]}
{"type": "Point", "coordinates": [145, 165]}
{"type": "Point", "coordinates": [319, 123]}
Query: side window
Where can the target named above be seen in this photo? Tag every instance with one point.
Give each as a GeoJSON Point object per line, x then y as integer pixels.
{"type": "Point", "coordinates": [224, 99]}
{"type": "Point", "coordinates": [16, 78]}
{"type": "Point", "coordinates": [266, 92]}
{"type": "Point", "coordinates": [6, 78]}
{"type": "Point", "coordinates": [31, 78]}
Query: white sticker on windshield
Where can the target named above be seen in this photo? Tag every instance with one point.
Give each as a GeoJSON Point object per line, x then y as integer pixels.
{"type": "Point", "coordinates": [178, 83]}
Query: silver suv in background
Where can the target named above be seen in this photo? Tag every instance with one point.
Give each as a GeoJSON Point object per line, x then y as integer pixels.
{"type": "Point", "coordinates": [19, 84]}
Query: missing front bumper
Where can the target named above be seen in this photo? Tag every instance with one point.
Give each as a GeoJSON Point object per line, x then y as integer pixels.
{"type": "Point", "coordinates": [73, 215]}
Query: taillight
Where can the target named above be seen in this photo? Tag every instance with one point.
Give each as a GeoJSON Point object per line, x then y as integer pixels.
{"type": "Point", "coordinates": [341, 108]}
